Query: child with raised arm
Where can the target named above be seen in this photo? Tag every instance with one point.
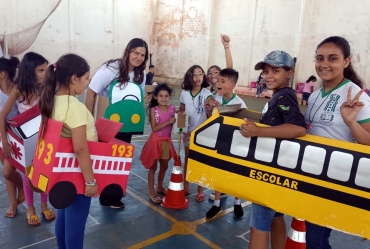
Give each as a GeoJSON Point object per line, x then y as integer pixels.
{"type": "Point", "coordinates": [64, 80]}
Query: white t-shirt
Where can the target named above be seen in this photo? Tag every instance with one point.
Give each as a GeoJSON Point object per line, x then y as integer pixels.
{"type": "Point", "coordinates": [233, 101]}
{"type": "Point", "coordinates": [323, 112]}
{"type": "Point", "coordinates": [194, 107]}
{"type": "Point", "coordinates": [104, 77]}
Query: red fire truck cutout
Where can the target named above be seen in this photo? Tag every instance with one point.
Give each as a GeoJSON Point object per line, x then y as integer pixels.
{"type": "Point", "coordinates": [56, 170]}
{"type": "Point", "coordinates": [22, 136]}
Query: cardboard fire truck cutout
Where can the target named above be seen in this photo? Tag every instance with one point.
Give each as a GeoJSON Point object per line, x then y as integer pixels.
{"type": "Point", "coordinates": [22, 136]}
{"type": "Point", "coordinates": [56, 170]}
{"type": "Point", "coordinates": [324, 181]}
{"type": "Point", "coordinates": [126, 105]}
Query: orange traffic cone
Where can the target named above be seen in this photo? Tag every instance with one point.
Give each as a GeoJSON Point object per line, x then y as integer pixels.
{"type": "Point", "coordinates": [175, 197]}
{"type": "Point", "coordinates": [297, 235]}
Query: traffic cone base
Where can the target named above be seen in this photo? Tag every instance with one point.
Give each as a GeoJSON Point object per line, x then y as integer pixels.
{"type": "Point", "coordinates": [296, 237]}
{"type": "Point", "coordinates": [175, 197]}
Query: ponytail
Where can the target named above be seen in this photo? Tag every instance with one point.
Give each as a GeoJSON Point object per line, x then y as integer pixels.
{"type": "Point", "coordinates": [351, 74]}
{"type": "Point", "coordinates": [47, 97]}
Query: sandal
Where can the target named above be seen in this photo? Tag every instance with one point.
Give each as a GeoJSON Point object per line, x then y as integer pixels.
{"type": "Point", "coordinates": [200, 197]}
{"type": "Point", "coordinates": [164, 192]}
{"type": "Point", "coordinates": [156, 200]}
{"type": "Point", "coordinates": [33, 218]}
{"type": "Point", "coordinates": [48, 215]}
{"type": "Point", "coordinates": [11, 215]}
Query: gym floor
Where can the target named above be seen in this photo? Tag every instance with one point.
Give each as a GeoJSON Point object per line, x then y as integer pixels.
{"type": "Point", "coordinates": [142, 224]}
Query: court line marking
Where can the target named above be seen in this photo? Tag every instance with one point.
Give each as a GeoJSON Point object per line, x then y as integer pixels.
{"type": "Point", "coordinates": [179, 227]}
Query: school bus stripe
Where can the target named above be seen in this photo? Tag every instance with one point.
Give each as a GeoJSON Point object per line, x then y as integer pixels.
{"type": "Point", "coordinates": [301, 186]}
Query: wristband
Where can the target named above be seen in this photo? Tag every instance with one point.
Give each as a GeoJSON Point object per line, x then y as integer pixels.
{"type": "Point", "coordinates": [91, 184]}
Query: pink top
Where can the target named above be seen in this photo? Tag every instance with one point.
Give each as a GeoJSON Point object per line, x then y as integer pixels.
{"type": "Point", "coordinates": [23, 106]}
{"type": "Point", "coordinates": [162, 117]}
{"type": "Point", "coordinates": [307, 87]}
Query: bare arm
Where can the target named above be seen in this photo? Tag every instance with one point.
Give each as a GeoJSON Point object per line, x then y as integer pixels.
{"type": "Point", "coordinates": [80, 148]}
{"type": "Point", "coordinates": [156, 127]}
{"type": "Point", "coordinates": [14, 95]}
{"type": "Point", "coordinates": [226, 42]}
{"type": "Point", "coordinates": [181, 108]}
{"type": "Point", "coordinates": [361, 132]}
{"type": "Point", "coordinates": [284, 131]}
{"type": "Point", "coordinates": [90, 100]}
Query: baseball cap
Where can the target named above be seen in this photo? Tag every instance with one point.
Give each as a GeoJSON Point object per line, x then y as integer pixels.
{"type": "Point", "coordinates": [276, 58]}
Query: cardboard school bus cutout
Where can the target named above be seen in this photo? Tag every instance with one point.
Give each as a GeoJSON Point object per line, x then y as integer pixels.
{"type": "Point", "coordinates": [56, 170]}
{"type": "Point", "coordinates": [317, 179]}
{"type": "Point", "coordinates": [22, 136]}
{"type": "Point", "coordinates": [126, 105]}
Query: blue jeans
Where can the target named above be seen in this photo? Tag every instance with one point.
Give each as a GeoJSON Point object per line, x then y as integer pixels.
{"type": "Point", "coordinates": [317, 237]}
{"type": "Point", "coordinates": [261, 217]}
{"type": "Point", "coordinates": [70, 223]}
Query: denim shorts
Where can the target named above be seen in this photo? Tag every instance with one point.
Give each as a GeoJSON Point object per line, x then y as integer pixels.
{"type": "Point", "coordinates": [261, 217]}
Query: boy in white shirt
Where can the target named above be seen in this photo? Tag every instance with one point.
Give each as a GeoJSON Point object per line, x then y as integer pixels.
{"type": "Point", "coordinates": [225, 88]}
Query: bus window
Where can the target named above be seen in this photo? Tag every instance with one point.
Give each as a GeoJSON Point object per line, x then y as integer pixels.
{"type": "Point", "coordinates": [313, 160]}
{"type": "Point", "coordinates": [239, 144]}
{"type": "Point", "coordinates": [340, 166]}
{"type": "Point", "coordinates": [265, 149]}
{"type": "Point", "coordinates": [31, 127]}
{"type": "Point", "coordinates": [363, 173]}
{"type": "Point", "coordinates": [288, 154]}
{"type": "Point", "coordinates": [208, 136]}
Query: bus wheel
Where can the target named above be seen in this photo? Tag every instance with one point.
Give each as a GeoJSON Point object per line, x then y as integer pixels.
{"type": "Point", "coordinates": [62, 194]}
{"type": "Point", "coordinates": [110, 195]}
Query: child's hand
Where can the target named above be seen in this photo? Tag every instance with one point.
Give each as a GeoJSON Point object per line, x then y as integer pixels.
{"type": "Point", "coordinates": [180, 112]}
{"type": "Point", "coordinates": [172, 120]}
{"type": "Point", "coordinates": [249, 129]}
{"type": "Point", "coordinates": [225, 40]}
{"type": "Point", "coordinates": [7, 149]}
{"type": "Point", "coordinates": [91, 191]}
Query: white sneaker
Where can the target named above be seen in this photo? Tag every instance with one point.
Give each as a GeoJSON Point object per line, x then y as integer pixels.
{"type": "Point", "coordinates": [212, 196]}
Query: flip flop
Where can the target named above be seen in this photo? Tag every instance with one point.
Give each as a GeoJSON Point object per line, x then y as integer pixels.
{"type": "Point", "coordinates": [48, 215]}
{"type": "Point", "coordinates": [33, 217]}
{"type": "Point", "coordinates": [11, 215]}
{"type": "Point", "coordinates": [162, 192]}
{"type": "Point", "coordinates": [156, 200]}
{"type": "Point", "coordinates": [200, 198]}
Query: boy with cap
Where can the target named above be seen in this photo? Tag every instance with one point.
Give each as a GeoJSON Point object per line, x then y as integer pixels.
{"type": "Point", "coordinates": [225, 96]}
{"type": "Point", "coordinates": [285, 121]}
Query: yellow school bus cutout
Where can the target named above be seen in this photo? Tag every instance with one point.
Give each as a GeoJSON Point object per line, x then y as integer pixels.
{"type": "Point", "coordinates": [324, 181]}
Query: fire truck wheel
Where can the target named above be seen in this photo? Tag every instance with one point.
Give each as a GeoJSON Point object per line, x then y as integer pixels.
{"type": "Point", "coordinates": [110, 195]}
{"type": "Point", "coordinates": [62, 194]}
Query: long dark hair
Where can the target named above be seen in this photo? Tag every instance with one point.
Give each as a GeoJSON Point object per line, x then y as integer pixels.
{"type": "Point", "coordinates": [9, 66]}
{"type": "Point", "coordinates": [59, 74]}
{"type": "Point", "coordinates": [27, 85]}
{"type": "Point", "coordinates": [153, 102]}
{"type": "Point", "coordinates": [344, 46]}
{"type": "Point", "coordinates": [124, 62]}
{"type": "Point", "coordinates": [188, 82]}
{"type": "Point", "coordinates": [311, 78]}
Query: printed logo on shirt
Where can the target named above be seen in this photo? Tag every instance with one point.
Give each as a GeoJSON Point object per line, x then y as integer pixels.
{"type": "Point", "coordinates": [200, 108]}
{"type": "Point", "coordinates": [326, 118]}
{"type": "Point", "coordinates": [265, 108]}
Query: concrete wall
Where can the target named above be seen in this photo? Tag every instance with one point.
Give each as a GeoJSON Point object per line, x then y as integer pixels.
{"type": "Point", "coordinates": [181, 33]}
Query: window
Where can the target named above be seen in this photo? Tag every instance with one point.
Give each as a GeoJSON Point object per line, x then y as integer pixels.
{"type": "Point", "coordinates": [340, 166]}
{"type": "Point", "coordinates": [239, 144]}
{"type": "Point", "coordinates": [265, 149]}
{"type": "Point", "coordinates": [208, 136]}
{"type": "Point", "coordinates": [363, 173]}
{"type": "Point", "coordinates": [313, 160]}
{"type": "Point", "coordinates": [288, 154]}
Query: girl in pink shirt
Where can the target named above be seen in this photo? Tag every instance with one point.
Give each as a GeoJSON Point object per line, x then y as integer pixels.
{"type": "Point", "coordinates": [159, 146]}
{"type": "Point", "coordinates": [308, 89]}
